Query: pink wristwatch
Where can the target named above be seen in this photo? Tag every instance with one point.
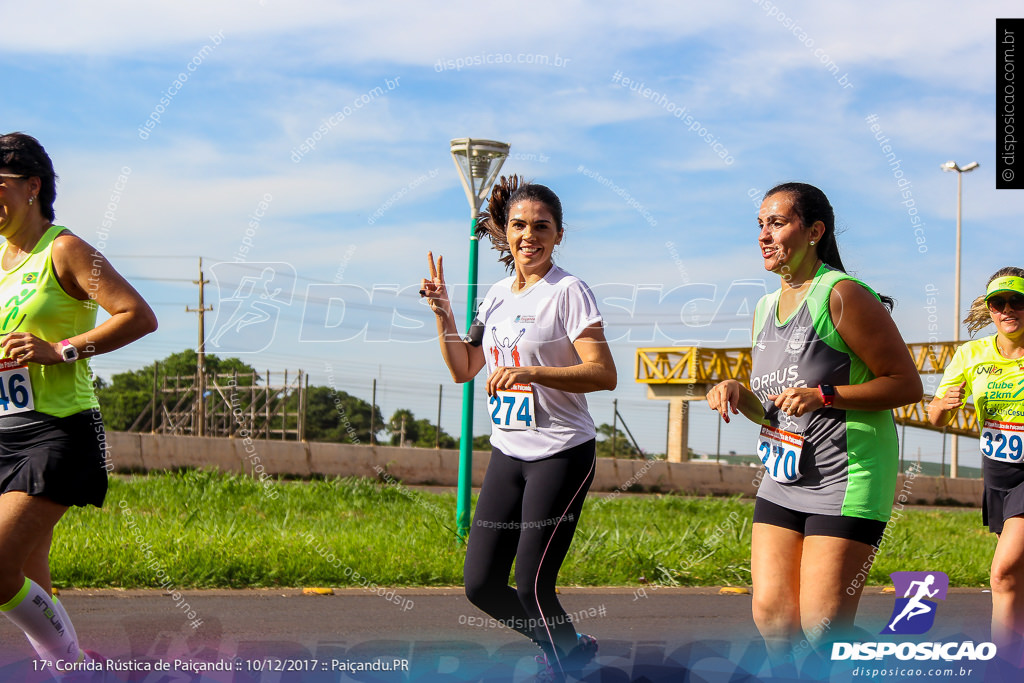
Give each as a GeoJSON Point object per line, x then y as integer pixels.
{"type": "Point", "coordinates": [68, 352]}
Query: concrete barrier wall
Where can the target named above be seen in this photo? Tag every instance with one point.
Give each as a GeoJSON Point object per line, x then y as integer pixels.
{"type": "Point", "coordinates": [129, 452]}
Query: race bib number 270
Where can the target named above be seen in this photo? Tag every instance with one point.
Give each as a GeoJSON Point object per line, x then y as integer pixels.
{"type": "Point", "coordinates": [513, 408]}
{"type": "Point", "coordinates": [779, 451]}
{"type": "Point", "coordinates": [15, 388]}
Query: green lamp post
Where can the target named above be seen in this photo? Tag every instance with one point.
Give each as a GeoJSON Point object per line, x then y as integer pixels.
{"type": "Point", "coordinates": [478, 163]}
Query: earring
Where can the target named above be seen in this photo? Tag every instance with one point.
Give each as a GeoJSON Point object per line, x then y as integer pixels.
{"type": "Point", "coordinates": [812, 243]}
{"type": "Point", "coordinates": [30, 200]}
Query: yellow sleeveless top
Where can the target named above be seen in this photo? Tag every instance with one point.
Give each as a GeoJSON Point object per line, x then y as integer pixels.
{"type": "Point", "coordinates": [32, 300]}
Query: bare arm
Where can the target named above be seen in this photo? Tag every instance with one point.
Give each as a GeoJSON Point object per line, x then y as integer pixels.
{"type": "Point", "coordinates": [84, 273]}
{"type": "Point", "coordinates": [942, 410]}
{"type": "Point", "coordinates": [731, 396]}
{"type": "Point", "coordinates": [594, 372]}
{"type": "Point", "coordinates": [870, 332]}
{"type": "Point", "coordinates": [464, 360]}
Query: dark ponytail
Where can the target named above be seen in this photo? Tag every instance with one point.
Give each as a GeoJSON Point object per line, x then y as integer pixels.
{"type": "Point", "coordinates": [811, 205]}
{"type": "Point", "coordinates": [493, 221]}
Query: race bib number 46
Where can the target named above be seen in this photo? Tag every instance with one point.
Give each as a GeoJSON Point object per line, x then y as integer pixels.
{"type": "Point", "coordinates": [1002, 441]}
{"type": "Point", "coordinates": [15, 388]}
{"type": "Point", "coordinates": [779, 451]}
{"type": "Point", "coordinates": [513, 408]}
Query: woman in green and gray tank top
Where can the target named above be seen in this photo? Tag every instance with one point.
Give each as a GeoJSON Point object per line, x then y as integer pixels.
{"type": "Point", "coordinates": [828, 366]}
{"type": "Point", "coordinates": [51, 431]}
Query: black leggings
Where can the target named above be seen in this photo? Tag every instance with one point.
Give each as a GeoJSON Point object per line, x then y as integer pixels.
{"type": "Point", "coordinates": [527, 511]}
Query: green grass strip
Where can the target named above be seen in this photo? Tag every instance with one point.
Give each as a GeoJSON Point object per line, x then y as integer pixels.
{"type": "Point", "coordinates": [203, 529]}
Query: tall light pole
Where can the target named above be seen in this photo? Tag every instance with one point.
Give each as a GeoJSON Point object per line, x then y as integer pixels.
{"type": "Point", "coordinates": [478, 163]}
{"type": "Point", "coordinates": [952, 167]}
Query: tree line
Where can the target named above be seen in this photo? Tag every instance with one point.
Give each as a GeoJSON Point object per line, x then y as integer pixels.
{"type": "Point", "coordinates": [331, 414]}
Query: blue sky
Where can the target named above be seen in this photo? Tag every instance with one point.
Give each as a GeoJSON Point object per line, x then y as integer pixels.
{"type": "Point", "coordinates": [657, 215]}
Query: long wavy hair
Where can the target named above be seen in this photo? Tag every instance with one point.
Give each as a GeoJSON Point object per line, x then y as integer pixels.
{"type": "Point", "coordinates": [493, 222]}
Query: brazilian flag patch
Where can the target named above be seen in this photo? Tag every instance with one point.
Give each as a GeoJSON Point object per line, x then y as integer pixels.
{"type": "Point", "coordinates": [29, 278]}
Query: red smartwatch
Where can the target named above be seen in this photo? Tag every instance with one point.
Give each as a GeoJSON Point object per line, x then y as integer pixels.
{"type": "Point", "coordinates": [827, 393]}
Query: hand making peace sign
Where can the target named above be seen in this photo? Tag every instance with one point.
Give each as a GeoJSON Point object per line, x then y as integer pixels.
{"type": "Point", "coordinates": [434, 289]}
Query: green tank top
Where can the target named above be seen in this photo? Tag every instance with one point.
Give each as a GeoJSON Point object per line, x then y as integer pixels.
{"type": "Point", "coordinates": [850, 458]}
{"type": "Point", "coordinates": [32, 300]}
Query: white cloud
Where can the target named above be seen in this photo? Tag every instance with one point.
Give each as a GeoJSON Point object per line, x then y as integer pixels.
{"type": "Point", "coordinates": [284, 68]}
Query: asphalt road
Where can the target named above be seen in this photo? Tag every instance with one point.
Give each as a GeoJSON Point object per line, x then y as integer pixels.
{"type": "Point", "coordinates": [265, 636]}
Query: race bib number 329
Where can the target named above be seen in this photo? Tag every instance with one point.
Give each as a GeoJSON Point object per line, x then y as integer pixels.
{"type": "Point", "coordinates": [15, 388]}
{"type": "Point", "coordinates": [779, 451]}
{"type": "Point", "coordinates": [513, 408]}
{"type": "Point", "coordinates": [1002, 441]}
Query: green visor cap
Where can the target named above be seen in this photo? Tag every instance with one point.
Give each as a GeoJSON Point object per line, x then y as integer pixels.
{"type": "Point", "coordinates": [1010, 283]}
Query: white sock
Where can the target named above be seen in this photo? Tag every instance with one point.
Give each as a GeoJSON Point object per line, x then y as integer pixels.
{"type": "Point", "coordinates": [64, 618]}
{"type": "Point", "coordinates": [32, 610]}
{"type": "Point", "coordinates": [58, 607]}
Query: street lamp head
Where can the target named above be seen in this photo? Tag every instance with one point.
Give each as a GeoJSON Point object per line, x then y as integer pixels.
{"type": "Point", "coordinates": [951, 166]}
{"type": "Point", "coordinates": [478, 163]}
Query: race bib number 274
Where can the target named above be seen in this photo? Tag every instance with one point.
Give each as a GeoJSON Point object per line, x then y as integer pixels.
{"type": "Point", "coordinates": [513, 409]}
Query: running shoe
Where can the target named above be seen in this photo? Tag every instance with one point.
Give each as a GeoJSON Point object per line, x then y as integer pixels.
{"type": "Point", "coordinates": [581, 655]}
{"type": "Point", "coordinates": [546, 674]}
{"type": "Point", "coordinates": [585, 650]}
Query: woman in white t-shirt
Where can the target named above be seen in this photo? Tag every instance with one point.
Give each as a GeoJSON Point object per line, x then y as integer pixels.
{"type": "Point", "coordinates": [541, 337]}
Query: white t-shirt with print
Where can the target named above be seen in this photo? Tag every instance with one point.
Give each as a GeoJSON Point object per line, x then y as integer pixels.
{"type": "Point", "coordinates": [538, 327]}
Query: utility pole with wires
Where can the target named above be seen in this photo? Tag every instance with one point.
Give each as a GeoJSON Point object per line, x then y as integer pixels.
{"type": "Point", "coordinates": [200, 352]}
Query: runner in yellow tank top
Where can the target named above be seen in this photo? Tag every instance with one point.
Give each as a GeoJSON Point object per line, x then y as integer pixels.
{"type": "Point", "coordinates": [51, 454]}
{"type": "Point", "coordinates": [992, 370]}
{"type": "Point", "coordinates": [32, 301]}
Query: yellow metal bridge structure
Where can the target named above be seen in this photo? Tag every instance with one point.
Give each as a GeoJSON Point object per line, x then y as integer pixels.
{"type": "Point", "coordinates": [685, 373]}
